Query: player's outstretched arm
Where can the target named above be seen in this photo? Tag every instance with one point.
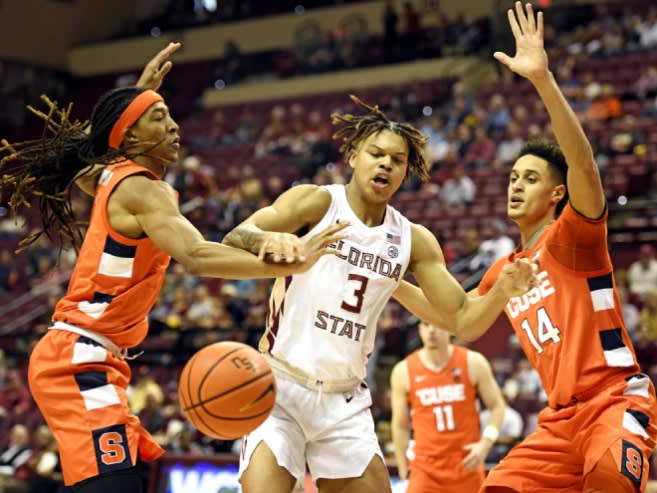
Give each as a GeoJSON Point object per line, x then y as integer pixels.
{"type": "Point", "coordinates": [154, 206]}
{"type": "Point", "coordinates": [531, 61]}
{"type": "Point", "coordinates": [401, 417]}
{"type": "Point", "coordinates": [269, 232]}
{"type": "Point", "coordinates": [441, 300]}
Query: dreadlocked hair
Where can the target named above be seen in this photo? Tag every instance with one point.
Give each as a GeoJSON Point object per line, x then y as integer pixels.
{"type": "Point", "coordinates": [356, 128]}
{"type": "Point", "coordinates": [43, 170]}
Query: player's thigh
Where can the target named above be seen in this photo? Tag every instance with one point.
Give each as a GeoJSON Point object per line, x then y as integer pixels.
{"type": "Point", "coordinates": [542, 462]}
{"type": "Point", "coordinates": [623, 468]}
{"type": "Point", "coordinates": [264, 475]}
{"type": "Point", "coordinates": [375, 479]}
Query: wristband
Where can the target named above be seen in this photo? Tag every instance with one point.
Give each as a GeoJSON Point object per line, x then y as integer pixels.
{"type": "Point", "coordinates": [491, 433]}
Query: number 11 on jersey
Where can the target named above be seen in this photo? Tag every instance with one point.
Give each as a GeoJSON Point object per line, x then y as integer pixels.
{"type": "Point", "coordinates": [444, 417]}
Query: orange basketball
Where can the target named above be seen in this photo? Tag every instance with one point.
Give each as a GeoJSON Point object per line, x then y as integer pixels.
{"type": "Point", "coordinates": [226, 390]}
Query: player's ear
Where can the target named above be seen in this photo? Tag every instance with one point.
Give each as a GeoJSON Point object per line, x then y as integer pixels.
{"type": "Point", "coordinates": [558, 193]}
{"type": "Point", "coordinates": [352, 158]}
{"type": "Point", "coordinates": [129, 137]}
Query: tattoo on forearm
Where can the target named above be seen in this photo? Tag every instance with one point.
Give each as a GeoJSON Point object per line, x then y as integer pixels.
{"type": "Point", "coordinates": [244, 238]}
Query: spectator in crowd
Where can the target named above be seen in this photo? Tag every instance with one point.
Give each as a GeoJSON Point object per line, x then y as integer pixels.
{"type": "Point", "coordinates": [13, 458]}
{"type": "Point", "coordinates": [499, 245]}
{"type": "Point", "coordinates": [631, 312]}
{"type": "Point", "coordinates": [510, 145]}
{"type": "Point", "coordinates": [628, 139]}
{"type": "Point", "coordinates": [45, 464]}
{"type": "Point", "coordinates": [15, 398]}
{"type": "Point", "coordinates": [467, 261]}
{"type": "Point", "coordinates": [231, 62]}
{"type": "Point", "coordinates": [9, 275]}
{"type": "Point", "coordinates": [459, 189]}
{"type": "Point", "coordinates": [642, 273]}
{"type": "Point", "coordinates": [498, 113]}
{"type": "Point", "coordinates": [146, 386]}
{"type": "Point", "coordinates": [390, 33]}
{"type": "Point", "coordinates": [482, 150]}
{"type": "Point", "coordinates": [646, 86]}
{"type": "Point", "coordinates": [647, 334]}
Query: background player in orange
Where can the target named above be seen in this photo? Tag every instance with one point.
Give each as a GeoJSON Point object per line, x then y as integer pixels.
{"type": "Point", "coordinates": [434, 395]}
{"type": "Point", "coordinates": [78, 373]}
{"type": "Point", "coordinates": [322, 323]}
{"type": "Point", "coordinates": [598, 431]}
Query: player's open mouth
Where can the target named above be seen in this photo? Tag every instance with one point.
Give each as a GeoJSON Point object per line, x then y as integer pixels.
{"type": "Point", "coordinates": [515, 201]}
{"type": "Point", "coordinates": [380, 182]}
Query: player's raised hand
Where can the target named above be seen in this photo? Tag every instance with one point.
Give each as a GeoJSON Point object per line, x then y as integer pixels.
{"type": "Point", "coordinates": [530, 60]}
{"type": "Point", "coordinates": [157, 68]}
{"type": "Point", "coordinates": [518, 277]}
{"type": "Point", "coordinates": [317, 245]}
{"type": "Point", "coordinates": [282, 247]}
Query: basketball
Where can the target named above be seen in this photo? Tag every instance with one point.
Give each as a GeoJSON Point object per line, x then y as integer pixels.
{"type": "Point", "coordinates": [226, 390]}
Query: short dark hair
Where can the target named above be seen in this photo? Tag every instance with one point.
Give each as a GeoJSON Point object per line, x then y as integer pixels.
{"type": "Point", "coordinates": [551, 153]}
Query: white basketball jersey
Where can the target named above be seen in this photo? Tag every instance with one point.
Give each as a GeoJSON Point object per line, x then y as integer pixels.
{"type": "Point", "coordinates": [322, 323]}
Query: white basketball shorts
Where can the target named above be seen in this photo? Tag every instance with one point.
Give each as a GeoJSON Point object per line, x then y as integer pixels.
{"type": "Point", "coordinates": [331, 432]}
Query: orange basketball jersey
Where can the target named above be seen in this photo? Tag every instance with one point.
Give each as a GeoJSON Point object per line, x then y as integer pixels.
{"type": "Point", "coordinates": [571, 325]}
{"type": "Point", "coordinates": [116, 279]}
{"type": "Point", "coordinates": [443, 408]}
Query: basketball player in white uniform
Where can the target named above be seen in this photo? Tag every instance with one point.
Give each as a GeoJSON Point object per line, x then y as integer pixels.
{"type": "Point", "coordinates": [322, 323]}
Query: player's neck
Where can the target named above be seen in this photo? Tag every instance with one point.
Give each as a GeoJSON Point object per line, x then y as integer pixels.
{"type": "Point", "coordinates": [436, 359]}
{"type": "Point", "coordinates": [531, 233]}
{"type": "Point", "coordinates": [157, 167]}
{"type": "Point", "coordinates": [370, 214]}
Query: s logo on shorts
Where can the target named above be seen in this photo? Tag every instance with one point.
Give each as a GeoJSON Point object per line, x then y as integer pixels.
{"type": "Point", "coordinates": [112, 450]}
{"type": "Point", "coordinates": [632, 462]}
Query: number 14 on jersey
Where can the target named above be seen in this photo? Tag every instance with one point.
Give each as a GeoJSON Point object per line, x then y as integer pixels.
{"type": "Point", "coordinates": [546, 331]}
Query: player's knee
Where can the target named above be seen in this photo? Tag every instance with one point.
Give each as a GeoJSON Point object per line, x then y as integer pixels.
{"type": "Point", "coordinates": [607, 476]}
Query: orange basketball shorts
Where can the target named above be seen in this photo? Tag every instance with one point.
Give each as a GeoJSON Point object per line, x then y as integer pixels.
{"type": "Point", "coordinates": [80, 388]}
{"type": "Point", "coordinates": [444, 475]}
{"type": "Point", "coordinates": [569, 442]}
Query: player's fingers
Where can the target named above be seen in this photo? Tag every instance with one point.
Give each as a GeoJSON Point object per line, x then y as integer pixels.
{"type": "Point", "coordinates": [513, 22]}
{"type": "Point", "coordinates": [167, 51]}
{"type": "Point", "coordinates": [298, 252]}
{"type": "Point", "coordinates": [333, 239]}
{"type": "Point", "coordinates": [522, 18]}
{"type": "Point", "coordinates": [502, 58]}
{"type": "Point", "coordinates": [540, 29]}
{"type": "Point", "coordinates": [531, 21]}
{"type": "Point", "coordinates": [334, 228]}
{"type": "Point", "coordinates": [263, 250]}
{"type": "Point", "coordinates": [165, 69]}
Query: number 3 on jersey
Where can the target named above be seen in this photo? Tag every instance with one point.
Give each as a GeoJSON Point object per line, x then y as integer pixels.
{"type": "Point", "coordinates": [356, 304]}
{"type": "Point", "coordinates": [545, 330]}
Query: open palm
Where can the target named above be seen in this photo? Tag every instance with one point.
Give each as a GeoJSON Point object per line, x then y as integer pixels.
{"type": "Point", "coordinates": [530, 59]}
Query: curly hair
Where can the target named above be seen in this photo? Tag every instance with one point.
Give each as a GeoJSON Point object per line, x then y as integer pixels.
{"type": "Point", "coordinates": [357, 128]}
{"type": "Point", "coordinates": [43, 170]}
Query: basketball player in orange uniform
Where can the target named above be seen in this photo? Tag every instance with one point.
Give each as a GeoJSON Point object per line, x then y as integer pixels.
{"type": "Point", "coordinates": [599, 430]}
{"type": "Point", "coordinates": [78, 373]}
{"type": "Point", "coordinates": [434, 395]}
